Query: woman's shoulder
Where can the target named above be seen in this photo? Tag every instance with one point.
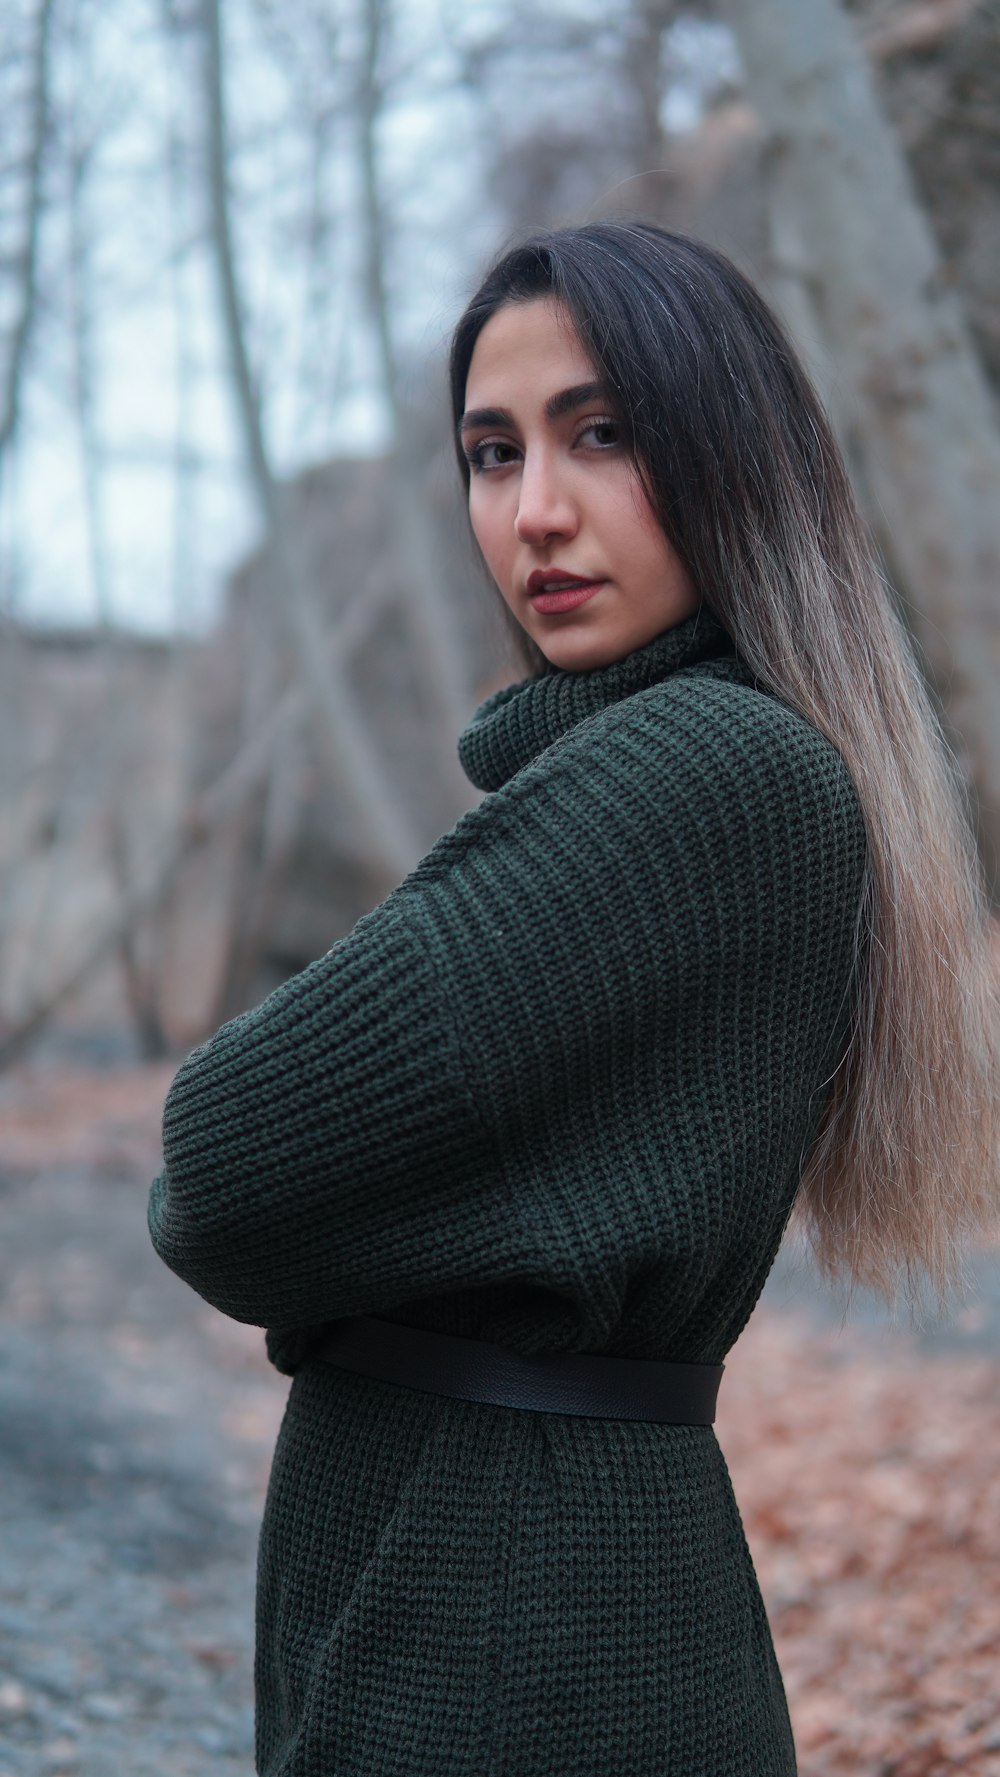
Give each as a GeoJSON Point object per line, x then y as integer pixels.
{"type": "Point", "coordinates": [706, 758]}
{"type": "Point", "coordinates": [711, 724]}
{"type": "Point", "coordinates": [705, 748]}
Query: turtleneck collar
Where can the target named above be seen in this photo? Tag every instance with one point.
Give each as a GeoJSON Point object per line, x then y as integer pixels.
{"type": "Point", "coordinates": [513, 725]}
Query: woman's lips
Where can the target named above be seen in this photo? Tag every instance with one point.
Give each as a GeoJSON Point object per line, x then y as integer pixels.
{"type": "Point", "coordinates": [566, 598]}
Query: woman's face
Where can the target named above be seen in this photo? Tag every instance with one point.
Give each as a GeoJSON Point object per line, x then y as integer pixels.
{"type": "Point", "coordinates": [555, 498]}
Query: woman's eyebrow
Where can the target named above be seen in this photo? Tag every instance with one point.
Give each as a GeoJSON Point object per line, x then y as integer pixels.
{"type": "Point", "coordinates": [484, 416]}
{"type": "Point", "coordinates": [567, 399]}
{"type": "Point", "coordinates": [555, 407]}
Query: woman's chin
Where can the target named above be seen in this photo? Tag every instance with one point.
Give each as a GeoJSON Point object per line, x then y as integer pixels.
{"type": "Point", "coordinates": [583, 647]}
{"type": "Point", "coordinates": [565, 649]}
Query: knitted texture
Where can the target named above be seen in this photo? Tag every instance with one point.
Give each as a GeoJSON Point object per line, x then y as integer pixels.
{"type": "Point", "coordinates": [554, 1092]}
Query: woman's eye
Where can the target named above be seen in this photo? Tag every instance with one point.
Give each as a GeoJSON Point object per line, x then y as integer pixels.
{"type": "Point", "coordinates": [489, 454]}
{"type": "Point", "coordinates": [605, 432]}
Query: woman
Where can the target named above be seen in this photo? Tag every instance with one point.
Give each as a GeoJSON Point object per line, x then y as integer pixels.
{"type": "Point", "coordinates": [504, 1173]}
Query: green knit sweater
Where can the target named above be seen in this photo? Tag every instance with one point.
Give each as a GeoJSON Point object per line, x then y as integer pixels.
{"type": "Point", "coordinates": [554, 1092]}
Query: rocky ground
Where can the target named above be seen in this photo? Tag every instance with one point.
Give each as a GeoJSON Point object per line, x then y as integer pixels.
{"type": "Point", "coordinates": [136, 1428]}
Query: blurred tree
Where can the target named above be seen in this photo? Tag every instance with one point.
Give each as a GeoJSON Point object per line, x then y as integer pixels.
{"type": "Point", "coordinates": [26, 76]}
{"type": "Point", "coordinates": [25, 82]}
{"type": "Point", "coordinates": [911, 386]}
{"type": "Point", "coordinates": [384, 831]}
{"type": "Point", "coordinates": [937, 68]}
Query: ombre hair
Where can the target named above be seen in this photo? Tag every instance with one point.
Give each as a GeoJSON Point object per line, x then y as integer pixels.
{"type": "Point", "coordinates": [741, 464]}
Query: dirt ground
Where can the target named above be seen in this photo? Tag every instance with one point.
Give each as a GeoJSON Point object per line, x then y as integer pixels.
{"type": "Point", "coordinates": [136, 1430]}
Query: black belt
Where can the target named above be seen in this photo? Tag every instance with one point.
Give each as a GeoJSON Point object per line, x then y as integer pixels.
{"type": "Point", "coordinates": [594, 1386]}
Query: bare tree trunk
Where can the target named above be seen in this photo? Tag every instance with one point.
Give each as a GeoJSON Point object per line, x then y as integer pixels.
{"type": "Point", "coordinates": [645, 26]}
{"type": "Point", "coordinates": [439, 657]}
{"type": "Point", "coordinates": [386, 838]}
{"type": "Point", "coordinates": [10, 394]}
{"type": "Point", "coordinates": [19, 304]}
{"type": "Point", "coordinates": [926, 425]}
{"type": "Point", "coordinates": [275, 833]}
{"type": "Point", "coordinates": [137, 971]}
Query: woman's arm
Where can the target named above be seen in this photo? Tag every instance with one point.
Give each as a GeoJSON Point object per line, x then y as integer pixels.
{"type": "Point", "coordinates": [322, 1152]}
{"type": "Point", "coordinates": [555, 1053]}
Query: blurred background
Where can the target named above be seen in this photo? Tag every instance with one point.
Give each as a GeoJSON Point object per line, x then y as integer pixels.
{"type": "Point", "coordinates": [241, 626]}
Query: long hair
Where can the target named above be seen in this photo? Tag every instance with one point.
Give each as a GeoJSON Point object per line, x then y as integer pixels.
{"type": "Point", "coordinates": [741, 465]}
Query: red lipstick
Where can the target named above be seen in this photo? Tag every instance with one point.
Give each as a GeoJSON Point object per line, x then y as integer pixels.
{"type": "Point", "coordinates": [553, 589]}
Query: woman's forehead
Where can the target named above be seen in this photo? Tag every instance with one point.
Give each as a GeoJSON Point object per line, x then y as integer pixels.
{"type": "Point", "coordinates": [522, 346]}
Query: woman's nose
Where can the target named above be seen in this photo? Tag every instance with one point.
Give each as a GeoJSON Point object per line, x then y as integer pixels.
{"type": "Point", "coordinates": [544, 508]}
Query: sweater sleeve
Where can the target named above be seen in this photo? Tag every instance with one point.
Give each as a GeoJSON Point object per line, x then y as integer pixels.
{"type": "Point", "coordinates": [322, 1154]}
{"type": "Point", "coordinates": [595, 988]}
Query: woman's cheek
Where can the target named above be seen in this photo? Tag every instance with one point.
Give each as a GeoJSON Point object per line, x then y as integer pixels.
{"type": "Point", "coordinates": [494, 539]}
